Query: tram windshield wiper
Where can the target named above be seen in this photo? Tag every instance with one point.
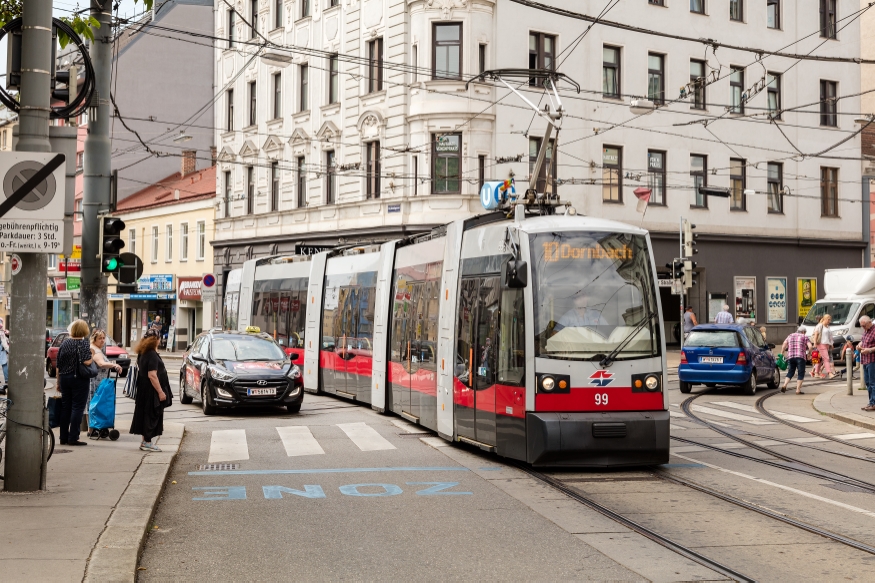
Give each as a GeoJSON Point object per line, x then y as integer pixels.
{"type": "Point", "coordinates": [609, 359]}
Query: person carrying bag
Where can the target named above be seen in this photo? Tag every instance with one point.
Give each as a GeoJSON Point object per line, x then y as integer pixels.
{"type": "Point", "coordinates": [153, 392]}
{"type": "Point", "coordinates": [76, 368]}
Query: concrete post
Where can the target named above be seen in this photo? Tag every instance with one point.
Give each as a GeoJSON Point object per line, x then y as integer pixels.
{"type": "Point", "coordinates": [24, 445]}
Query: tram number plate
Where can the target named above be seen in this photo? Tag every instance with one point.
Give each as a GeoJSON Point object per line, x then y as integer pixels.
{"type": "Point", "coordinates": [260, 392]}
{"type": "Point", "coordinates": [711, 359]}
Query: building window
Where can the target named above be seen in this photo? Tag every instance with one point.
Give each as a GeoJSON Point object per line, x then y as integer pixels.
{"type": "Point", "coordinates": [80, 157]}
{"type": "Point", "coordinates": [548, 165]}
{"type": "Point", "coordinates": [332, 3]}
{"type": "Point", "coordinates": [372, 161]}
{"type": "Point", "coordinates": [699, 172]}
{"type": "Point", "coordinates": [53, 262]}
{"type": "Point", "coordinates": [330, 177]}
{"type": "Point", "coordinates": [775, 176]}
{"type": "Point", "coordinates": [481, 171]}
{"type": "Point", "coordinates": [305, 88]}
{"type": "Point", "coordinates": [828, 104]}
{"type": "Point", "coordinates": [250, 190]}
{"type": "Point", "coordinates": [333, 79]}
{"type": "Point", "coordinates": [612, 174]}
{"type": "Point", "coordinates": [305, 8]}
{"type": "Point", "coordinates": [828, 18]}
{"type": "Point", "coordinates": [253, 108]}
{"type": "Point", "coordinates": [229, 121]}
{"type": "Point", "coordinates": [77, 209]}
{"type": "Point", "coordinates": [542, 53]}
{"type": "Point", "coordinates": [132, 240]}
{"type": "Point", "coordinates": [302, 182]}
{"type": "Point", "coordinates": [611, 72]}
{"type": "Point", "coordinates": [447, 164]}
{"type": "Point", "coordinates": [254, 18]}
{"type": "Point", "coordinates": [737, 183]}
{"type": "Point", "coordinates": [656, 78]}
{"type": "Point", "coordinates": [168, 243]}
{"type": "Point", "coordinates": [416, 176]}
{"type": "Point", "coordinates": [183, 241]}
{"type": "Point", "coordinates": [773, 13]}
{"type": "Point", "coordinates": [447, 51]}
{"type": "Point", "coordinates": [155, 244]}
{"type": "Point", "coordinates": [274, 186]}
{"type": "Point", "coordinates": [227, 195]}
{"type": "Point", "coordinates": [278, 13]}
{"type": "Point", "coordinates": [697, 6]}
{"type": "Point", "coordinates": [414, 61]}
{"type": "Point", "coordinates": [201, 240]}
{"type": "Point", "coordinates": [697, 82]}
{"type": "Point", "coordinates": [656, 176]}
{"type": "Point", "coordinates": [375, 65]}
{"type": "Point", "coordinates": [481, 58]}
{"type": "Point", "coordinates": [736, 10]}
{"type": "Point", "coordinates": [773, 89]}
{"type": "Point", "coordinates": [656, 2]}
{"type": "Point", "coordinates": [736, 90]}
{"type": "Point", "coordinates": [232, 27]}
{"type": "Point", "coordinates": [829, 192]}
{"type": "Point", "coordinates": [277, 95]}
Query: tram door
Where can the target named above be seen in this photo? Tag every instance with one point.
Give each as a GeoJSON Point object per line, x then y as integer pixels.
{"type": "Point", "coordinates": [476, 358]}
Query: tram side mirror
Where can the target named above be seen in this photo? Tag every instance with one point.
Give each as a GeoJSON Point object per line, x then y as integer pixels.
{"type": "Point", "coordinates": [516, 274]}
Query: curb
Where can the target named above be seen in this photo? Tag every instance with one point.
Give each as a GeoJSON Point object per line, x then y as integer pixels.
{"type": "Point", "coordinates": [823, 405]}
{"type": "Point", "coordinates": [115, 555]}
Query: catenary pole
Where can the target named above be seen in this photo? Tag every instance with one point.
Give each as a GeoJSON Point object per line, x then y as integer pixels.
{"type": "Point", "coordinates": [24, 470]}
{"type": "Point", "coordinates": [98, 171]}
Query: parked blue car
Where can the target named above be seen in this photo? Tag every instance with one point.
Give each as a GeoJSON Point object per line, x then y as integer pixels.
{"type": "Point", "coordinates": [727, 354]}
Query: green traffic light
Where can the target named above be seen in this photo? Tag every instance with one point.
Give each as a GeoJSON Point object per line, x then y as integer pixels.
{"type": "Point", "coordinates": [111, 264]}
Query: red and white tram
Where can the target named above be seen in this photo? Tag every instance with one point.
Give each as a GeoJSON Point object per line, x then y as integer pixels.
{"type": "Point", "coordinates": [538, 337]}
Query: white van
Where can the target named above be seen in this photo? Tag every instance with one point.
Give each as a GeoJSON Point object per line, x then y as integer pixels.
{"type": "Point", "coordinates": [849, 294]}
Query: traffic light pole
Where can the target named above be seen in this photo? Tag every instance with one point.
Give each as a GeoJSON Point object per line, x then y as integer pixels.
{"type": "Point", "coordinates": [25, 470]}
{"type": "Point", "coordinates": [98, 172]}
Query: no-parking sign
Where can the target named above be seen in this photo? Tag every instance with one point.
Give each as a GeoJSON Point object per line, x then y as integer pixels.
{"type": "Point", "coordinates": [32, 202]}
{"type": "Point", "coordinates": [208, 288]}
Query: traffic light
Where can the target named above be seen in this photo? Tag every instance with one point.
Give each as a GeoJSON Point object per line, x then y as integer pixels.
{"type": "Point", "coordinates": [111, 243]}
{"type": "Point", "coordinates": [690, 239]}
{"type": "Point", "coordinates": [676, 268]}
{"type": "Point", "coordinates": [688, 268]}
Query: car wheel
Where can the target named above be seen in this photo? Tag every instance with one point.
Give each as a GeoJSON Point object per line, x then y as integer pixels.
{"type": "Point", "coordinates": [184, 397]}
{"type": "Point", "coordinates": [50, 369]}
{"type": "Point", "coordinates": [294, 407]}
{"type": "Point", "coordinates": [207, 408]}
{"type": "Point", "coordinates": [685, 387]}
{"type": "Point", "coordinates": [750, 387]}
{"type": "Point", "coordinates": [775, 381]}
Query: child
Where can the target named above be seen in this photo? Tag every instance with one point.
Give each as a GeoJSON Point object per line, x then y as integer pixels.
{"type": "Point", "coordinates": [849, 345]}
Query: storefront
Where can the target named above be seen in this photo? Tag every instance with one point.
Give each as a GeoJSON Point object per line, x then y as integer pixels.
{"type": "Point", "coordinates": [132, 314]}
{"type": "Point", "coordinates": [189, 313]}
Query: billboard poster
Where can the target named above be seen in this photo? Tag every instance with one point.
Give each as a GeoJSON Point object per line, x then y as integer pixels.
{"type": "Point", "coordinates": [746, 297]}
{"type": "Point", "coordinates": [776, 297]}
{"type": "Point", "coordinates": [806, 288]}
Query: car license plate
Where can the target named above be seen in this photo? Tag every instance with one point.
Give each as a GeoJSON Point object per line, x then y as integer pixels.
{"type": "Point", "coordinates": [260, 392]}
{"type": "Point", "coordinates": [711, 359]}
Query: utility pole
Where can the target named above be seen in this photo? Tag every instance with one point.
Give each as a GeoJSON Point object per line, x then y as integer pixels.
{"type": "Point", "coordinates": [98, 170]}
{"type": "Point", "coordinates": [24, 445]}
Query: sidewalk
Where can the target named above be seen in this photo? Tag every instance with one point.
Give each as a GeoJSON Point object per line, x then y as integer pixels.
{"type": "Point", "coordinates": [91, 520]}
{"type": "Point", "coordinates": [839, 405]}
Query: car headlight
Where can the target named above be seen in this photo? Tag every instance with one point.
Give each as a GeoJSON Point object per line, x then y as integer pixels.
{"type": "Point", "coordinates": [651, 382]}
{"type": "Point", "coordinates": [548, 384]}
{"type": "Point", "coordinates": [224, 393]}
{"type": "Point", "coordinates": [220, 374]}
{"type": "Point", "coordinates": [294, 372]}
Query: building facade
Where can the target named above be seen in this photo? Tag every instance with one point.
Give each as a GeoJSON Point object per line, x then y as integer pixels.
{"type": "Point", "coordinates": [352, 121]}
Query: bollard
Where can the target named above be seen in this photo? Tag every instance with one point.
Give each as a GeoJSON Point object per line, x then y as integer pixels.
{"type": "Point", "coordinates": [849, 363]}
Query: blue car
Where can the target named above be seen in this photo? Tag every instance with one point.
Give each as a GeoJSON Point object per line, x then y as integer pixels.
{"type": "Point", "coordinates": [727, 354]}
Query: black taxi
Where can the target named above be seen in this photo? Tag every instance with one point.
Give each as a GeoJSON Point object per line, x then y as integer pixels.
{"type": "Point", "coordinates": [239, 369]}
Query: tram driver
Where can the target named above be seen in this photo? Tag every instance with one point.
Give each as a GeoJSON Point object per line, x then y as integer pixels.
{"type": "Point", "coordinates": [581, 315]}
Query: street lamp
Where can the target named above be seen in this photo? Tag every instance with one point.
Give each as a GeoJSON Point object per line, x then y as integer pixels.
{"type": "Point", "coordinates": [642, 106]}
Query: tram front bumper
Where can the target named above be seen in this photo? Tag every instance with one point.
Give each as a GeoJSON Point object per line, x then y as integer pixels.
{"type": "Point", "coordinates": [598, 440]}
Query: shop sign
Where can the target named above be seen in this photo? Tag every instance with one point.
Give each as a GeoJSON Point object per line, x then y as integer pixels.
{"type": "Point", "coordinates": [189, 288]}
{"type": "Point", "coordinates": [141, 297]}
{"type": "Point", "coordinates": [776, 297]}
{"type": "Point", "coordinates": [746, 297]}
{"type": "Point", "coordinates": [61, 287]}
{"type": "Point", "coordinates": [311, 249]}
{"type": "Point", "coordinates": [155, 283]}
{"type": "Point", "coordinates": [448, 144]}
{"type": "Point", "coordinates": [806, 295]}
{"type": "Point", "coordinates": [74, 284]}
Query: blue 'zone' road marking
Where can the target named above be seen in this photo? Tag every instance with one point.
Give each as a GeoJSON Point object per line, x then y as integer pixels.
{"type": "Point", "coordinates": [329, 471]}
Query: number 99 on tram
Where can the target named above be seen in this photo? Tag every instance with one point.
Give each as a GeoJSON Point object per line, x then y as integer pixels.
{"type": "Point", "coordinates": [538, 338]}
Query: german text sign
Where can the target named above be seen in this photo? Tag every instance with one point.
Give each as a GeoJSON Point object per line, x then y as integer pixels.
{"type": "Point", "coordinates": [31, 202]}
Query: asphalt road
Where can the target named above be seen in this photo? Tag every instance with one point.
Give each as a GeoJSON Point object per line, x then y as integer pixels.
{"type": "Point", "coordinates": [339, 491]}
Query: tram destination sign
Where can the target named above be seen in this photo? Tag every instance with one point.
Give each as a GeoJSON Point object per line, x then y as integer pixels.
{"type": "Point", "coordinates": [32, 202]}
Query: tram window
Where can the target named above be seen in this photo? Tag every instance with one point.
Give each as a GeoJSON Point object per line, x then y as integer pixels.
{"type": "Point", "coordinates": [512, 339]}
{"type": "Point", "coordinates": [487, 328]}
{"type": "Point", "coordinates": [464, 329]}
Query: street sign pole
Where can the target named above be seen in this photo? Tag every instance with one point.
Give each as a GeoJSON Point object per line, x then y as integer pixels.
{"type": "Point", "coordinates": [25, 468]}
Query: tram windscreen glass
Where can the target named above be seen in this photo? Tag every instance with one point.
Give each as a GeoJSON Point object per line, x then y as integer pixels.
{"type": "Point", "coordinates": [591, 292]}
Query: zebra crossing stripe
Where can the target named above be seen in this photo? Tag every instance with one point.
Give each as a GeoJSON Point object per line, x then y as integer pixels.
{"type": "Point", "coordinates": [298, 441]}
{"type": "Point", "coordinates": [365, 437]}
{"type": "Point", "coordinates": [228, 445]}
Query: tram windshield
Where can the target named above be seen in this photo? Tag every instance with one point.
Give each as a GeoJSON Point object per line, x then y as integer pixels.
{"type": "Point", "coordinates": [593, 293]}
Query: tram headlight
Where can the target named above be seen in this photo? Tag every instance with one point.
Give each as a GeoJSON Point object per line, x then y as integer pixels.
{"type": "Point", "coordinates": [651, 382]}
{"type": "Point", "coordinates": [548, 384]}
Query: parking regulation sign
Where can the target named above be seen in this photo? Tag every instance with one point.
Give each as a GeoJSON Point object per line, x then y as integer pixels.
{"type": "Point", "coordinates": [31, 202]}
{"type": "Point", "coordinates": [208, 288]}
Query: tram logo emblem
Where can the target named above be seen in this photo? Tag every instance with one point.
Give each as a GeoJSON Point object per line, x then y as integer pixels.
{"type": "Point", "coordinates": [601, 378]}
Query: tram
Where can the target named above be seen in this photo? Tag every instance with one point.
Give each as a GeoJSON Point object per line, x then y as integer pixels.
{"type": "Point", "coordinates": [535, 336]}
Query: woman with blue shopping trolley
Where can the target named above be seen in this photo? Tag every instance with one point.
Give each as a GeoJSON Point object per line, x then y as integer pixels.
{"type": "Point", "coordinates": [101, 408]}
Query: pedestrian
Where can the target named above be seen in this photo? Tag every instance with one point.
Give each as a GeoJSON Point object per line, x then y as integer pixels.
{"type": "Point", "coordinates": [822, 338]}
{"type": "Point", "coordinates": [74, 351]}
{"type": "Point", "coordinates": [4, 356]}
{"type": "Point", "coordinates": [763, 332]}
{"type": "Point", "coordinates": [724, 317]}
{"type": "Point", "coordinates": [156, 325]}
{"type": "Point", "coordinates": [867, 359]}
{"type": "Point", "coordinates": [689, 320]}
{"type": "Point", "coordinates": [849, 346]}
{"type": "Point", "coordinates": [796, 347]}
{"type": "Point", "coordinates": [153, 386]}
{"type": "Point", "coordinates": [98, 341]}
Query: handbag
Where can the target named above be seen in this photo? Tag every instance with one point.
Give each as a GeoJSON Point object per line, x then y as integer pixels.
{"type": "Point", "coordinates": [815, 357]}
{"type": "Point", "coordinates": [780, 362]}
{"type": "Point", "coordinates": [130, 390]}
{"type": "Point", "coordinates": [168, 398]}
{"type": "Point", "coordinates": [86, 371]}
{"type": "Point", "coordinates": [53, 404]}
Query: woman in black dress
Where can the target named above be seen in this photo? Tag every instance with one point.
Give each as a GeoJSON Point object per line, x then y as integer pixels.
{"type": "Point", "coordinates": [153, 386]}
{"type": "Point", "coordinates": [74, 351]}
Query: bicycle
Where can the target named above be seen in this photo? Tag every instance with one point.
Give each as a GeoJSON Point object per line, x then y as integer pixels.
{"type": "Point", "coordinates": [4, 408]}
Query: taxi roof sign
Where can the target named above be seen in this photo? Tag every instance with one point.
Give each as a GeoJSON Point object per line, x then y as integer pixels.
{"type": "Point", "coordinates": [253, 330]}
